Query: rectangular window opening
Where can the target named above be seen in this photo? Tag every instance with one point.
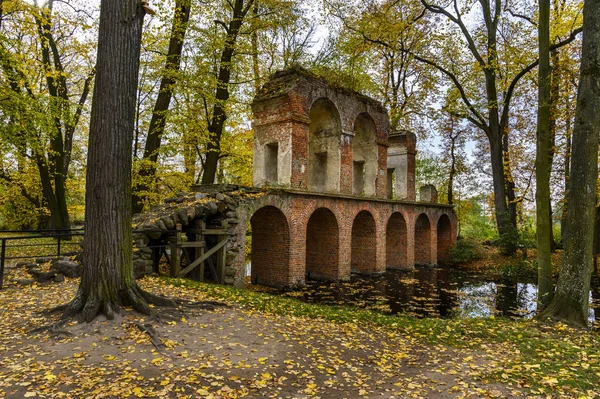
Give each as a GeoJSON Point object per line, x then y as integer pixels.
{"type": "Point", "coordinates": [271, 157]}
{"type": "Point", "coordinates": [320, 171]}
{"type": "Point", "coordinates": [358, 177]}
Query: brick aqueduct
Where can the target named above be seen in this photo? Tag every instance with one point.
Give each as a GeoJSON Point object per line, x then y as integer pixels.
{"type": "Point", "coordinates": [338, 190]}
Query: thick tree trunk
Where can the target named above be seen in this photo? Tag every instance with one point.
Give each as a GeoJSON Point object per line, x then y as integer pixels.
{"type": "Point", "coordinates": [542, 167]}
{"type": "Point", "coordinates": [147, 170]}
{"type": "Point", "coordinates": [571, 300]}
{"type": "Point", "coordinates": [108, 281]}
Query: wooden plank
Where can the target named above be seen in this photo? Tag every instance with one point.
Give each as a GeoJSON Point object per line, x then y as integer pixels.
{"type": "Point", "coordinates": [192, 244]}
{"type": "Point", "coordinates": [217, 232]}
{"type": "Point", "coordinates": [202, 258]}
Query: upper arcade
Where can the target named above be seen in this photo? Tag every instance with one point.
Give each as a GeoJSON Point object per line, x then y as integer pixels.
{"type": "Point", "coordinates": [312, 136]}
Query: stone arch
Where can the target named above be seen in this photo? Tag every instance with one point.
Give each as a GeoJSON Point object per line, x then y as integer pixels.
{"type": "Point", "coordinates": [322, 245]}
{"type": "Point", "coordinates": [364, 155]}
{"type": "Point", "coordinates": [423, 240]}
{"type": "Point", "coordinates": [270, 247]}
{"type": "Point", "coordinates": [444, 239]}
{"type": "Point", "coordinates": [364, 243]}
{"type": "Point", "coordinates": [396, 242]}
{"type": "Point", "coordinates": [325, 130]}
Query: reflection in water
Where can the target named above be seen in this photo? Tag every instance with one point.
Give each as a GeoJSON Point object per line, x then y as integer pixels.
{"type": "Point", "coordinates": [432, 292]}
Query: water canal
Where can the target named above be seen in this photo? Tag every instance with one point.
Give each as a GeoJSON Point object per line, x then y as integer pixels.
{"type": "Point", "coordinates": [433, 292]}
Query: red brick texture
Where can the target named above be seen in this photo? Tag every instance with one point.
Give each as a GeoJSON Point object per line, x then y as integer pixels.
{"type": "Point", "coordinates": [371, 235]}
{"type": "Point", "coordinates": [322, 245]}
{"type": "Point", "coordinates": [270, 247]}
{"type": "Point", "coordinates": [396, 242]}
{"type": "Point", "coordinates": [364, 243]}
{"type": "Point", "coordinates": [423, 241]}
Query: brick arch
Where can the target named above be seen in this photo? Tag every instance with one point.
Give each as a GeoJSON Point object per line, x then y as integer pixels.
{"type": "Point", "coordinates": [324, 137]}
{"type": "Point", "coordinates": [423, 240]}
{"type": "Point", "coordinates": [444, 239]}
{"type": "Point", "coordinates": [322, 245]}
{"type": "Point", "coordinates": [364, 243]}
{"type": "Point", "coordinates": [396, 244]}
{"type": "Point", "coordinates": [270, 247]}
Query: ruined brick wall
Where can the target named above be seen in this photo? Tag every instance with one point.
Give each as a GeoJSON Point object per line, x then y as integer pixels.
{"type": "Point", "coordinates": [287, 100]}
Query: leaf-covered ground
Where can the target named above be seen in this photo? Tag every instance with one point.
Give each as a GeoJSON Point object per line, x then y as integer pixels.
{"type": "Point", "coordinates": [266, 346]}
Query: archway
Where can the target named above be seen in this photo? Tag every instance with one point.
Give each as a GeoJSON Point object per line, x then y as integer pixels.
{"type": "Point", "coordinates": [396, 241]}
{"type": "Point", "coordinates": [364, 243]}
{"type": "Point", "coordinates": [322, 245]}
{"type": "Point", "coordinates": [422, 240]}
{"type": "Point", "coordinates": [324, 147]}
{"type": "Point", "coordinates": [364, 156]}
{"type": "Point", "coordinates": [270, 247]}
{"type": "Point", "coordinates": [444, 239]}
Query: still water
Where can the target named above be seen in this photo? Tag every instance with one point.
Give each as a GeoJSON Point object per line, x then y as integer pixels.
{"type": "Point", "coordinates": [432, 292]}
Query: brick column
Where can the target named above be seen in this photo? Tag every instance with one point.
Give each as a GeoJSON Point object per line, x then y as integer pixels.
{"type": "Point", "coordinates": [411, 219]}
{"type": "Point", "coordinates": [382, 155]}
{"type": "Point", "coordinates": [346, 163]}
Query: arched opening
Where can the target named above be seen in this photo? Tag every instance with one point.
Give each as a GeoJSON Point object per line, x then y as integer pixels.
{"type": "Point", "coordinates": [423, 240]}
{"type": "Point", "coordinates": [364, 156]}
{"type": "Point", "coordinates": [270, 247]}
{"type": "Point", "coordinates": [364, 243]}
{"type": "Point", "coordinates": [324, 147]}
{"type": "Point", "coordinates": [322, 245]}
{"type": "Point", "coordinates": [444, 239]}
{"type": "Point", "coordinates": [396, 240]}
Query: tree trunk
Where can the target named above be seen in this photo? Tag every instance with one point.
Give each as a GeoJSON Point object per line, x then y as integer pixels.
{"type": "Point", "coordinates": [571, 300]}
{"type": "Point", "coordinates": [107, 281]}
{"type": "Point", "coordinates": [506, 230]}
{"type": "Point", "coordinates": [217, 122]}
{"type": "Point", "coordinates": [452, 167]}
{"type": "Point", "coordinates": [147, 170]}
{"type": "Point", "coordinates": [542, 167]}
{"type": "Point", "coordinates": [567, 177]}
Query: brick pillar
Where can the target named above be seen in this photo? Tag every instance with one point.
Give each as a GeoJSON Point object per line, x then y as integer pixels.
{"type": "Point", "coordinates": [382, 159]}
{"type": "Point", "coordinates": [346, 163]}
{"type": "Point", "coordinates": [299, 178]}
{"type": "Point", "coordinates": [297, 273]}
{"type": "Point", "coordinates": [380, 226]}
{"type": "Point", "coordinates": [345, 243]}
{"type": "Point", "coordinates": [410, 240]}
{"type": "Point", "coordinates": [434, 242]}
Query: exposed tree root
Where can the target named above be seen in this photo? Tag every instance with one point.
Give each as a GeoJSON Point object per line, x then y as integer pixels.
{"type": "Point", "coordinates": [55, 329]}
{"type": "Point", "coordinates": [207, 305]}
{"type": "Point", "coordinates": [152, 333]}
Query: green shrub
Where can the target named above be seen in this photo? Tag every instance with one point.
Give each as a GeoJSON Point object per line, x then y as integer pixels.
{"type": "Point", "coordinates": [465, 250]}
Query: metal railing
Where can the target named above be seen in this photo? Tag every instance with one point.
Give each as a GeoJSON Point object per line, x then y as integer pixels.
{"type": "Point", "coordinates": [57, 238]}
{"type": "Point", "coordinates": [69, 238]}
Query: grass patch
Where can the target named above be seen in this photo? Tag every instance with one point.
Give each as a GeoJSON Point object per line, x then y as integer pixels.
{"type": "Point", "coordinates": [546, 359]}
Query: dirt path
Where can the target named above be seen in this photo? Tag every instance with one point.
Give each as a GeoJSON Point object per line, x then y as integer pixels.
{"type": "Point", "coordinates": [224, 353]}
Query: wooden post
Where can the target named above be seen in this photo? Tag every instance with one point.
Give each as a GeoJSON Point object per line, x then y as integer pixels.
{"type": "Point", "coordinates": [175, 260]}
{"type": "Point", "coordinates": [222, 256]}
{"type": "Point", "coordinates": [201, 225]}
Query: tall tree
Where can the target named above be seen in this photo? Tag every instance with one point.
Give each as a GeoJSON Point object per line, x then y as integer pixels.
{"type": "Point", "coordinates": [108, 281]}
{"type": "Point", "coordinates": [571, 300]}
{"type": "Point", "coordinates": [147, 168]}
{"type": "Point", "coordinates": [239, 10]}
{"type": "Point", "coordinates": [542, 162]}
{"type": "Point", "coordinates": [46, 135]}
